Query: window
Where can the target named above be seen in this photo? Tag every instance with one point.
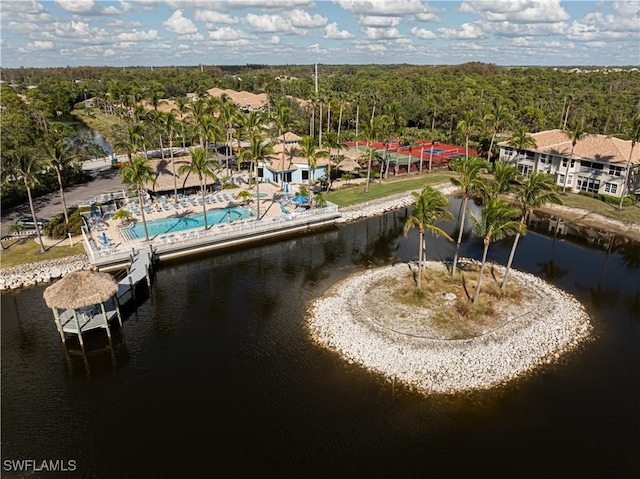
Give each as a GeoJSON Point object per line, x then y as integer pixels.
{"type": "Point", "coordinates": [615, 170]}
{"type": "Point", "coordinates": [610, 188]}
{"type": "Point", "coordinates": [545, 159]}
{"type": "Point", "coordinates": [565, 160]}
{"type": "Point", "coordinates": [588, 184]}
{"type": "Point", "coordinates": [561, 180]}
{"type": "Point", "coordinates": [305, 175]}
{"type": "Point", "coordinates": [525, 170]}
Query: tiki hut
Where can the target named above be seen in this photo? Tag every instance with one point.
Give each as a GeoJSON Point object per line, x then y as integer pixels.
{"type": "Point", "coordinates": [78, 290]}
{"type": "Point", "coordinates": [349, 165]}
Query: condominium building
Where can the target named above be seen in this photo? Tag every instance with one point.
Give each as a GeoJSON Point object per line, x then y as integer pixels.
{"type": "Point", "coordinates": [599, 163]}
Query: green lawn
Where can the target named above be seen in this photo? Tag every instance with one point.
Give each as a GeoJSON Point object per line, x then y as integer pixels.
{"type": "Point", "coordinates": [355, 193]}
{"type": "Point", "coordinates": [26, 250]}
{"type": "Point", "coordinates": [629, 213]}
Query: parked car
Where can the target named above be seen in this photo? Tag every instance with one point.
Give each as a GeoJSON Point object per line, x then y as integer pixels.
{"type": "Point", "coordinates": [27, 222]}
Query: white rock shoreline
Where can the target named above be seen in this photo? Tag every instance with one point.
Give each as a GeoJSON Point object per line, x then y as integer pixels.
{"type": "Point", "coordinates": [542, 333]}
{"type": "Point", "coordinates": [31, 274]}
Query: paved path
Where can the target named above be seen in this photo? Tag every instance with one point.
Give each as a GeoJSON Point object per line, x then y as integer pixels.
{"type": "Point", "coordinates": [104, 180]}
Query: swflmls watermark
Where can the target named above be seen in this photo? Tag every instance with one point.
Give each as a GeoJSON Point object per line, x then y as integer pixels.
{"type": "Point", "coordinates": [33, 465]}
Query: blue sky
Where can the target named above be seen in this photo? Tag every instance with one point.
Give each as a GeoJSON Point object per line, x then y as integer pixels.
{"type": "Point", "coordinates": [276, 32]}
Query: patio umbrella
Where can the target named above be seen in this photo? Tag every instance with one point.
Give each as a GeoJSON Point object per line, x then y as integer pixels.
{"type": "Point", "coordinates": [300, 199]}
{"type": "Point", "coordinates": [104, 238]}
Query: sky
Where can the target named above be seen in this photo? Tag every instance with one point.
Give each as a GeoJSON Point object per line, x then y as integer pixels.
{"type": "Point", "coordinates": [60, 33]}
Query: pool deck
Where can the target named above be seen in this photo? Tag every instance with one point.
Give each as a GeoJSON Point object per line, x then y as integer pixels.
{"type": "Point", "coordinates": [273, 222]}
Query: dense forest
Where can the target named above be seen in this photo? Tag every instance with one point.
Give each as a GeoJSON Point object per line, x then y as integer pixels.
{"type": "Point", "coordinates": [473, 102]}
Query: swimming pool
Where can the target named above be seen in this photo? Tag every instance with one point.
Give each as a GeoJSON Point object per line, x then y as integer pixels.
{"type": "Point", "coordinates": [174, 224]}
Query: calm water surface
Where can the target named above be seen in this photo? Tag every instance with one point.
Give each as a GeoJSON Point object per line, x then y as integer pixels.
{"type": "Point", "coordinates": [214, 375]}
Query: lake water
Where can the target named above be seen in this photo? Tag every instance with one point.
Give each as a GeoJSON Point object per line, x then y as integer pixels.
{"type": "Point", "coordinates": [214, 374]}
{"type": "Point", "coordinates": [82, 129]}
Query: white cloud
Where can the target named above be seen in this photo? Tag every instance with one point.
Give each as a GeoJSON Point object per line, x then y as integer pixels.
{"type": "Point", "coordinates": [111, 10]}
{"type": "Point", "coordinates": [274, 40]}
{"type": "Point", "coordinates": [76, 6]}
{"type": "Point", "coordinates": [226, 34]}
{"type": "Point", "coordinates": [136, 36]}
{"type": "Point", "coordinates": [210, 17]}
{"type": "Point", "coordinates": [427, 17]}
{"type": "Point", "coordinates": [179, 24]}
{"type": "Point", "coordinates": [332, 32]}
{"type": "Point", "coordinates": [382, 7]}
{"type": "Point", "coordinates": [300, 18]}
{"type": "Point", "coordinates": [378, 21]}
{"type": "Point", "coordinates": [268, 23]}
{"type": "Point", "coordinates": [378, 33]}
{"type": "Point", "coordinates": [423, 33]}
{"type": "Point", "coordinates": [518, 11]}
{"type": "Point", "coordinates": [376, 48]}
{"type": "Point", "coordinates": [195, 37]}
{"type": "Point", "coordinates": [466, 31]}
{"type": "Point", "coordinates": [508, 29]}
{"type": "Point", "coordinates": [39, 45]}
{"type": "Point", "coordinates": [30, 7]}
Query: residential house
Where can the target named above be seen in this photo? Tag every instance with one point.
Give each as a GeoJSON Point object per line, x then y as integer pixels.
{"type": "Point", "coordinates": [600, 163]}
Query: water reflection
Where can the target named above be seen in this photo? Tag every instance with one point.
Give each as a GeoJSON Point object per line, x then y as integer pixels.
{"type": "Point", "coordinates": [221, 345]}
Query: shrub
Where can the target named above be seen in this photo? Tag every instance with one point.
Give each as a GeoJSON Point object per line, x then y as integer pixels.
{"type": "Point", "coordinates": [57, 228]}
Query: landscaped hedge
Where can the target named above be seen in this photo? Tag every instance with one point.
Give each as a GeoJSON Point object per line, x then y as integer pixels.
{"type": "Point", "coordinates": [611, 200]}
{"type": "Point", "coordinates": [57, 228]}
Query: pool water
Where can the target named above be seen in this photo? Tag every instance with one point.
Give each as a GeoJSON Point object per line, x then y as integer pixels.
{"type": "Point", "coordinates": [174, 224]}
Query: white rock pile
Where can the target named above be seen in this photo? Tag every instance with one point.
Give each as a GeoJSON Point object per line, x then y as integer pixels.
{"type": "Point", "coordinates": [541, 334]}
{"type": "Point", "coordinates": [30, 274]}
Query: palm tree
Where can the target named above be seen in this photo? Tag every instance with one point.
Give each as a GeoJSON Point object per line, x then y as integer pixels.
{"type": "Point", "coordinates": [576, 134]}
{"type": "Point", "coordinates": [468, 125]}
{"type": "Point", "coordinates": [332, 143]}
{"type": "Point", "coordinates": [496, 223]}
{"type": "Point", "coordinates": [130, 144]}
{"type": "Point", "coordinates": [519, 141]}
{"type": "Point", "coordinates": [60, 155]}
{"type": "Point", "coordinates": [469, 181]}
{"type": "Point", "coordinates": [309, 149]}
{"type": "Point", "coordinates": [27, 166]}
{"type": "Point", "coordinates": [170, 126]}
{"type": "Point", "coordinates": [356, 98]}
{"type": "Point", "coordinates": [203, 167]}
{"type": "Point", "coordinates": [635, 137]}
{"type": "Point", "coordinates": [281, 116]}
{"type": "Point", "coordinates": [497, 118]}
{"type": "Point", "coordinates": [372, 132]}
{"type": "Point", "coordinates": [505, 179]}
{"type": "Point", "coordinates": [256, 153]}
{"type": "Point", "coordinates": [431, 206]}
{"type": "Point", "coordinates": [537, 190]}
{"type": "Point", "coordinates": [138, 174]}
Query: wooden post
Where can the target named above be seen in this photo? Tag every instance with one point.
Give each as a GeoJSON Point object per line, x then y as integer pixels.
{"type": "Point", "coordinates": [115, 302]}
{"type": "Point", "coordinates": [56, 317]}
{"type": "Point", "coordinates": [75, 316]}
{"type": "Point", "coordinates": [146, 273]}
{"type": "Point", "coordinates": [131, 286]}
{"type": "Point", "coordinates": [106, 322]}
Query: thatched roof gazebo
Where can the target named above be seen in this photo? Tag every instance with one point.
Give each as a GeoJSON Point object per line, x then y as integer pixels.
{"type": "Point", "coordinates": [349, 165]}
{"type": "Point", "coordinates": [78, 290]}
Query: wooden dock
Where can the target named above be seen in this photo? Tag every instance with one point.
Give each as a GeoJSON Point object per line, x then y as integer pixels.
{"type": "Point", "coordinates": [79, 321]}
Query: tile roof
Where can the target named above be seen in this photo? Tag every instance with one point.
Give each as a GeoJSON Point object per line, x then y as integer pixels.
{"type": "Point", "coordinates": [242, 98]}
{"type": "Point", "coordinates": [600, 148]}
